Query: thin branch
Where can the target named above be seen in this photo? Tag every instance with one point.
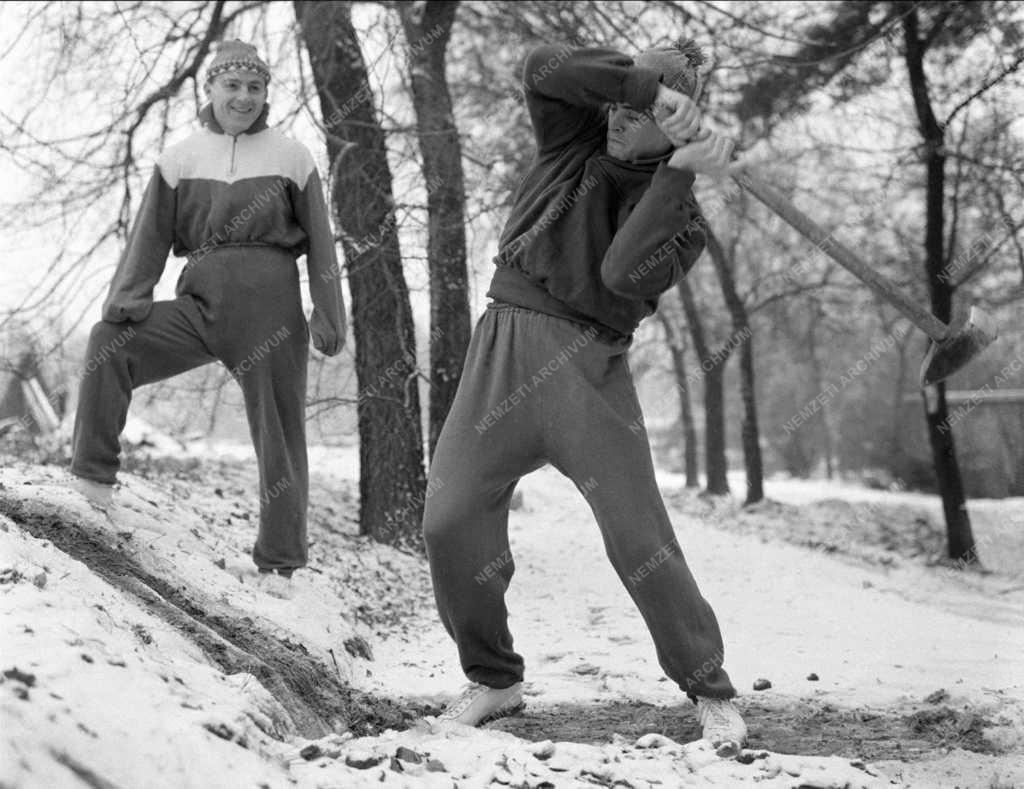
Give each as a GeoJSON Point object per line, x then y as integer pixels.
{"type": "Point", "coordinates": [986, 86]}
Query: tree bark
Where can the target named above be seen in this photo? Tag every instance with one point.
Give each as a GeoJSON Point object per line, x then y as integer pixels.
{"type": "Point", "coordinates": [391, 477]}
{"type": "Point", "coordinates": [678, 352]}
{"type": "Point", "coordinates": [749, 433]}
{"type": "Point", "coordinates": [427, 31]}
{"type": "Point", "coordinates": [960, 537]}
{"type": "Point", "coordinates": [713, 367]}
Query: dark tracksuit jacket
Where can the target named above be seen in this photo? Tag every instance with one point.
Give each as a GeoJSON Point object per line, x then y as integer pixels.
{"type": "Point", "coordinates": [591, 243]}
{"type": "Point", "coordinates": [591, 237]}
{"type": "Point", "coordinates": [241, 209]}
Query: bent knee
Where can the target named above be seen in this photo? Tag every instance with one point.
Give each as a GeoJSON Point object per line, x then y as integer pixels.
{"type": "Point", "coordinates": [438, 523]}
{"type": "Point", "coordinates": [109, 337]}
{"type": "Point", "coordinates": [446, 518]}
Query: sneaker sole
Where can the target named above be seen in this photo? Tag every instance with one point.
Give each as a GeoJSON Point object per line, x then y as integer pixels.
{"type": "Point", "coordinates": [503, 713]}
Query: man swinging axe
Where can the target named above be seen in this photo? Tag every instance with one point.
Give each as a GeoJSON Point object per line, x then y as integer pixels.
{"type": "Point", "coordinates": [603, 223]}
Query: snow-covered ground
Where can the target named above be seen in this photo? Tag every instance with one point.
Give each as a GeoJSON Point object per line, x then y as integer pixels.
{"type": "Point", "coordinates": [998, 524]}
{"type": "Point", "coordinates": [100, 688]}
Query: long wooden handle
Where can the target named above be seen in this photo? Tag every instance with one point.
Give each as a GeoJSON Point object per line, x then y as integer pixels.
{"type": "Point", "coordinates": [828, 244]}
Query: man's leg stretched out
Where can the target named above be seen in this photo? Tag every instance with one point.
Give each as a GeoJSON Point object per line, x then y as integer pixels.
{"type": "Point", "coordinates": [601, 440]}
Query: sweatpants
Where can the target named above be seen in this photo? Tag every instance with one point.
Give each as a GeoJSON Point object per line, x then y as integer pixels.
{"type": "Point", "coordinates": [537, 389]}
{"type": "Point", "coordinates": [239, 305]}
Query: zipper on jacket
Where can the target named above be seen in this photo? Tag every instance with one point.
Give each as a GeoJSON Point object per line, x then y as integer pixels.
{"type": "Point", "coordinates": [234, 144]}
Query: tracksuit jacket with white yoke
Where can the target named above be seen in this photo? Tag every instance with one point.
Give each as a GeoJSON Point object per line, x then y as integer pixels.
{"type": "Point", "coordinates": [213, 190]}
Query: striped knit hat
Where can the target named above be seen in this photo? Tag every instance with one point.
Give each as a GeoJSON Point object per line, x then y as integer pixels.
{"type": "Point", "coordinates": [232, 55]}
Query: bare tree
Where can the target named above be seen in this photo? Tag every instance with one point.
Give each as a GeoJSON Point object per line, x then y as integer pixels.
{"type": "Point", "coordinates": [427, 29]}
{"type": "Point", "coordinates": [713, 366]}
{"type": "Point", "coordinates": [835, 46]}
{"type": "Point", "coordinates": [677, 348]}
{"type": "Point", "coordinates": [749, 433]}
{"type": "Point", "coordinates": [959, 535]}
{"type": "Point", "coordinates": [391, 478]}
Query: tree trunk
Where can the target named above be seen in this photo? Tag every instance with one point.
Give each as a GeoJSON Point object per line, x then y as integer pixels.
{"type": "Point", "coordinates": [892, 444]}
{"type": "Point", "coordinates": [391, 479]}
{"type": "Point", "coordinates": [713, 367]}
{"type": "Point", "coordinates": [749, 433]}
{"type": "Point", "coordinates": [678, 352]}
{"type": "Point", "coordinates": [427, 31]}
{"type": "Point", "coordinates": [826, 428]}
{"type": "Point", "coordinates": [960, 537]}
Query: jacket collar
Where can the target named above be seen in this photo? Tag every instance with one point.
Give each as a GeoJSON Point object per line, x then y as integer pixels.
{"type": "Point", "coordinates": [207, 119]}
{"type": "Point", "coordinates": [638, 173]}
{"type": "Point", "coordinates": [643, 165]}
{"type": "Point", "coordinates": [631, 179]}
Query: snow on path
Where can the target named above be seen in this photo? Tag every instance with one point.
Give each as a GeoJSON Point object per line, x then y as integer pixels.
{"type": "Point", "coordinates": [870, 645]}
{"type": "Point", "coordinates": [785, 611]}
{"type": "Point", "coordinates": [998, 524]}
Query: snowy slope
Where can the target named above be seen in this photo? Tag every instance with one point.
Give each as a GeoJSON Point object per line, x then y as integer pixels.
{"type": "Point", "coordinates": [100, 688]}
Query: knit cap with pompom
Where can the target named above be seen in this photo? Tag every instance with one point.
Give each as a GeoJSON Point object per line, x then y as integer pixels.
{"type": "Point", "coordinates": [237, 56]}
{"type": "Point", "coordinates": [679, 65]}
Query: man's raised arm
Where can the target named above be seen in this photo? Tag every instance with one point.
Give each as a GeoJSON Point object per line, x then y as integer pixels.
{"type": "Point", "coordinates": [567, 90]}
{"type": "Point", "coordinates": [660, 240]}
{"type": "Point", "coordinates": [664, 235]}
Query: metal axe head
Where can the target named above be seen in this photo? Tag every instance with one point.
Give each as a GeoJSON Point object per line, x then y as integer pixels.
{"type": "Point", "coordinates": [969, 334]}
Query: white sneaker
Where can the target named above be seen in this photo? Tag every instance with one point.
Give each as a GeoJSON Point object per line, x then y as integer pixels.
{"type": "Point", "coordinates": [723, 726]}
{"type": "Point", "coordinates": [99, 494]}
{"type": "Point", "coordinates": [276, 585]}
{"type": "Point", "coordinates": [480, 704]}
{"type": "Point", "coordinates": [123, 518]}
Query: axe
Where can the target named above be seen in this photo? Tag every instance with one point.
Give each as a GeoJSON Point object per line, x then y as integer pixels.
{"type": "Point", "coordinates": [953, 345]}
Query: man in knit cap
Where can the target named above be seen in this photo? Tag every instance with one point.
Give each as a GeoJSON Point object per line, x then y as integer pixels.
{"type": "Point", "coordinates": [603, 223]}
{"type": "Point", "coordinates": [241, 202]}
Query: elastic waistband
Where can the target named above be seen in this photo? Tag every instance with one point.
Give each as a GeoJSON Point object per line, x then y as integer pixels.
{"type": "Point", "coordinates": [195, 255]}
{"type": "Point", "coordinates": [597, 330]}
{"type": "Point", "coordinates": [511, 287]}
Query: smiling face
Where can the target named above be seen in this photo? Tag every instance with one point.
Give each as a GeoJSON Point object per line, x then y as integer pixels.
{"type": "Point", "coordinates": [633, 135]}
{"type": "Point", "coordinates": [237, 98]}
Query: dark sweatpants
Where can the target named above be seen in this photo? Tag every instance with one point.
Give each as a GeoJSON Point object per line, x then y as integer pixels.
{"type": "Point", "coordinates": [241, 306]}
{"type": "Point", "coordinates": [538, 389]}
